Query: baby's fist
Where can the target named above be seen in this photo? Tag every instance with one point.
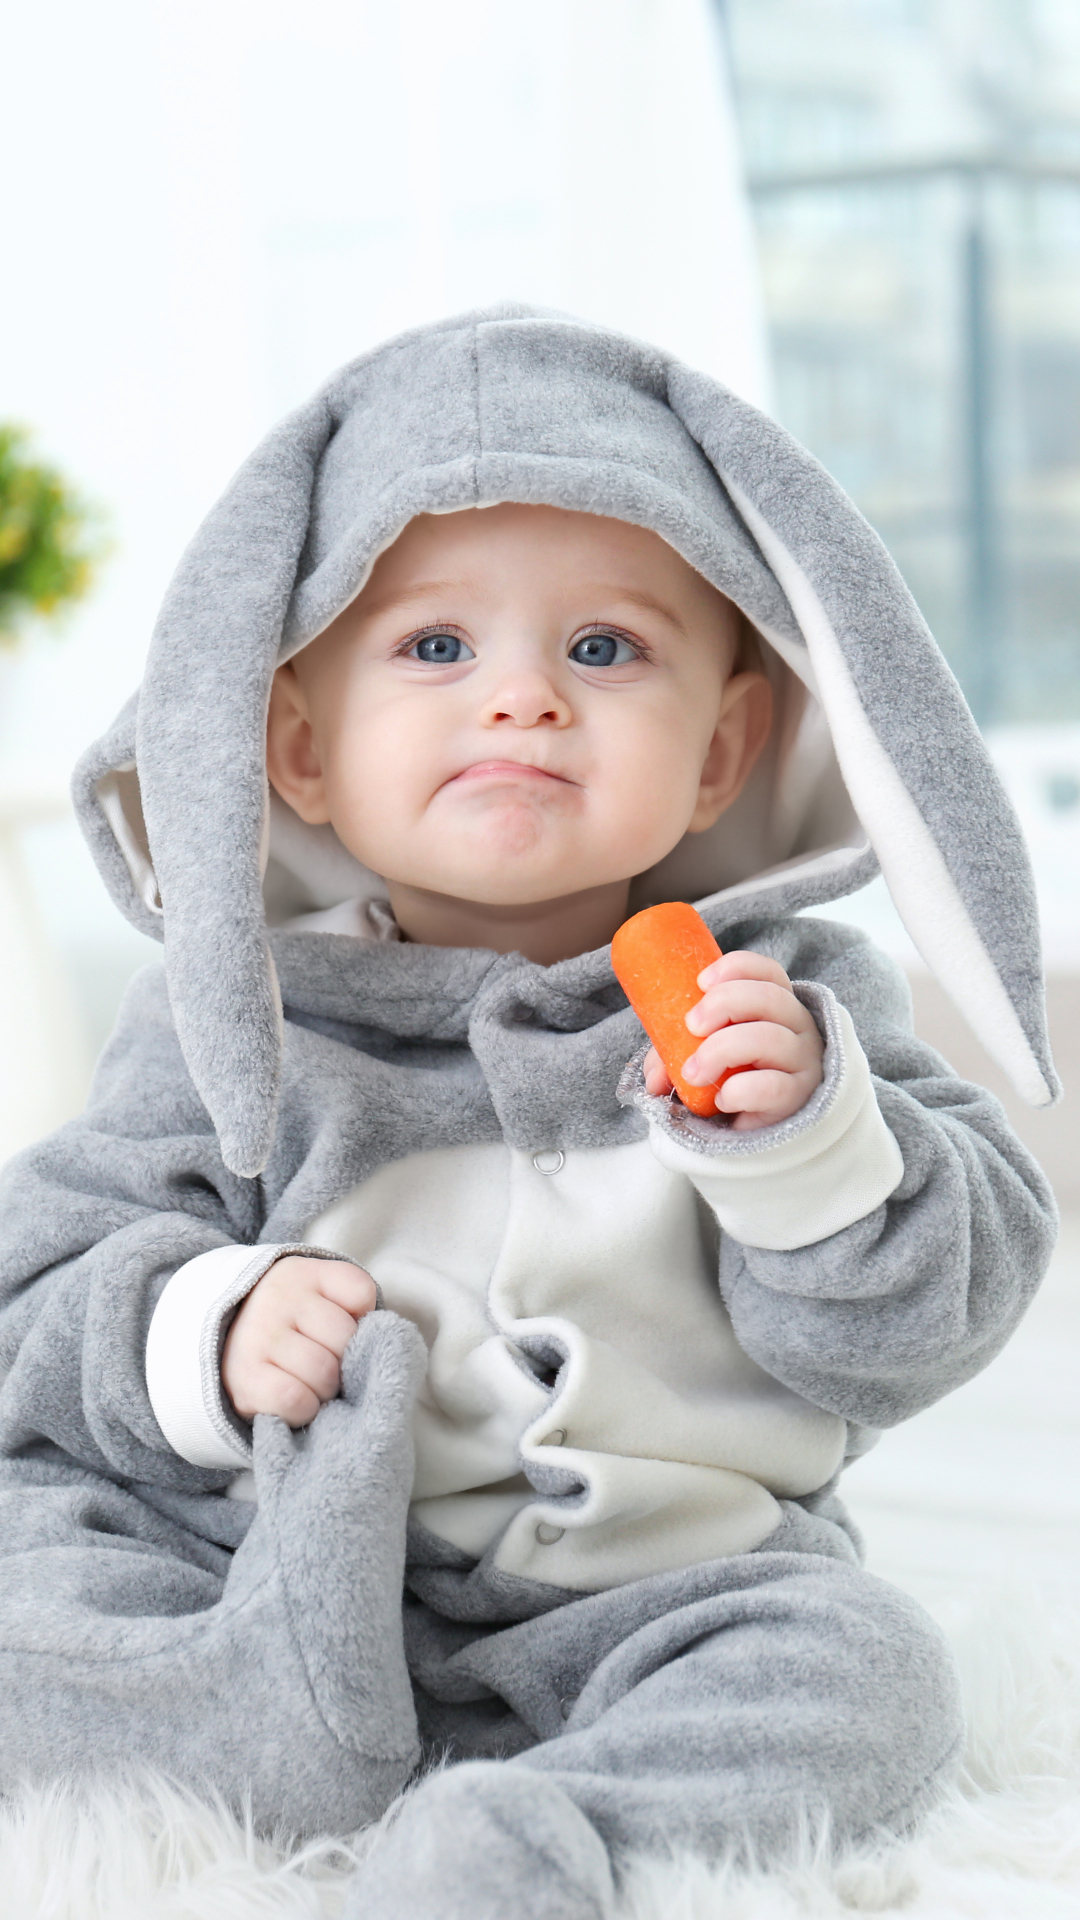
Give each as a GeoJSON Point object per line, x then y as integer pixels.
{"type": "Point", "coordinates": [283, 1351]}
{"type": "Point", "coordinates": [753, 1029]}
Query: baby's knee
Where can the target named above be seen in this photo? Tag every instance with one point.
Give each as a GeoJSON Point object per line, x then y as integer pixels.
{"type": "Point", "coordinates": [897, 1683]}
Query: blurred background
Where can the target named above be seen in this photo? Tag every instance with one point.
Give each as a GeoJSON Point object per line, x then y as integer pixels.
{"type": "Point", "coordinates": [864, 215]}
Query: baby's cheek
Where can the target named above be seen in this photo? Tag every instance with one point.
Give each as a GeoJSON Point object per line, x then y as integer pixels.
{"type": "Point", "coordinates": [626, 839]}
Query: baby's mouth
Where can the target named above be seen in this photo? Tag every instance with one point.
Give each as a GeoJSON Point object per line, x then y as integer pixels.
{"type": "Point", "coordinates": [507, 770]}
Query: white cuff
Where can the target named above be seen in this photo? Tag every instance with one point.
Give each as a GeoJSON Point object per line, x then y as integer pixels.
{"type": "Point", "coordinates": [183, 1354]}
{"type": "Point", "coordinates": [816, 1179]}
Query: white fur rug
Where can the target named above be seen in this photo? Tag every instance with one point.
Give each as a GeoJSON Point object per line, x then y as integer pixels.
{"type": "Point", "coordinates": [1005, 1846]}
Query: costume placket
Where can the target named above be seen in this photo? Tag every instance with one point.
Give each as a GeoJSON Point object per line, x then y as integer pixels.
{"type": "Point", "coordinates": [661, 1437]}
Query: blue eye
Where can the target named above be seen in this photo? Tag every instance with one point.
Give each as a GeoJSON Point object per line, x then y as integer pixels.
{"type": "Point", "coordinates": [441, 650]}
{"type": "Point", "coordinates": [603, 650]}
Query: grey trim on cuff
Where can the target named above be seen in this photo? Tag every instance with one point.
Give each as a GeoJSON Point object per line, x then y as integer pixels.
{"type": "Point", "coordinates": [716, 1138]}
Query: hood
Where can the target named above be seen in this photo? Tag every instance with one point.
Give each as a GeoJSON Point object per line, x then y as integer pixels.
{"type": "Point", "coordinates": [874, 757]}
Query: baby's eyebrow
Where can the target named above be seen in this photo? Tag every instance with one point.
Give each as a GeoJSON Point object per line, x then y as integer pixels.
{"type": "Point", "coordinates": [645, 601]}
{"type": "Point", "coordinates": [599, 592]}
{"type": "Point", "coordinates": [422, 590]}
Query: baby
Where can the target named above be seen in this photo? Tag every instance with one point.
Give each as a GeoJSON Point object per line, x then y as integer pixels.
{"type": "Point", "coordinates": [523, 709]}
{"type": "Point", "coordinates": [397, 1371]}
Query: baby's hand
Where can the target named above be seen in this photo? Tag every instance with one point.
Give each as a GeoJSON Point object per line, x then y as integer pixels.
{"type": "Point", "coordinates": [283, 1351]}
{"type": "Point", "coordinates": [750, 1021]}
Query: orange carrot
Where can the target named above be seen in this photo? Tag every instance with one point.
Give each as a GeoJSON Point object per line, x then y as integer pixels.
{"type": "Point", "coordinates": [657, 956]}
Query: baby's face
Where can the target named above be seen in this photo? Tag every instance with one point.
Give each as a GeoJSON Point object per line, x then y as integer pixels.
{"type": "Point", "coordinates": [522, 704]}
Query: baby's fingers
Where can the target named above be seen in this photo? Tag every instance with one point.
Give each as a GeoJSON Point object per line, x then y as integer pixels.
{"type": "Point", "coordinates": [324, 1322]}
{"type": "Point", "coordinates": [736, 1000]}
{"type": "Point", "coordinates": [348, 1285]}
{"type": "Point", "coordinates": [261, 1387]}
{"type": "Point", "coordinates": [748, 1043]}
{"type": "Point", "coordinates": [307, 1360]}
{"type": "Point", "coordinates": [743, 965]}
{"type": "Point", "coordinates": [657, 1078]}
{"type": "Point", "coordinates": [760, 1098]}
{"type": "Point", "coordinates": [291, 1376]}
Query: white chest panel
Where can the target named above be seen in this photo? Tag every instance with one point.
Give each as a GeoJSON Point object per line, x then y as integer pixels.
{"type": "Point", "coordinates": [680, 1441]}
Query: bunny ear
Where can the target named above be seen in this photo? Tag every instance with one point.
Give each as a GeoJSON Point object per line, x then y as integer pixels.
{"type": "Point", "coordinates": [913, 761]}
{"type": "Point", "coordinates": [108, 806]}
{"type": "Point", "coordinates": [521, 405]}
{"type": "Point", "coordinates": [201, 727]}
{"type": "Point", "coordinates": [174, 798]}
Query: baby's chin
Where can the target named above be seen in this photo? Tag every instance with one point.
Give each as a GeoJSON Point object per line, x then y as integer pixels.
{"type": "Point", "coordinates": [509, 890]}
{"type": "Point", "coordinates": [510, 866]}
{"type": "Point", "coordinates": [518, 858]}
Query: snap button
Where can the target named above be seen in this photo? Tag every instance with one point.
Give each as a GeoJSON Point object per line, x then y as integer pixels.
{"type": "Point", "coordinates": [547, 1534]}
{"type": "Point", "coordinates": [553, 1439]}
{"type": "Point", "coordinates": [549, 1160]}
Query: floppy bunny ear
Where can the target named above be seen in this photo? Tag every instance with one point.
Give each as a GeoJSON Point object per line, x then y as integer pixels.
{"type": "Point", "coordinates": [108, 806]}
{"type": "Point", "coordinates": [201, 729]}
{"type": "Point", "coordinates": [919, 775]}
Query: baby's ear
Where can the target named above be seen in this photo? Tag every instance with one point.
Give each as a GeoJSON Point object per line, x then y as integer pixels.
{"type": "Point", "coordinates": [743, 726]}
{"type": "Point", "coordinates": [292, 759]}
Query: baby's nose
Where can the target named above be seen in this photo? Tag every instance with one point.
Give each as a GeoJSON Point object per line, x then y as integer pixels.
{"type": "Point", "coordinates": [530, 701]}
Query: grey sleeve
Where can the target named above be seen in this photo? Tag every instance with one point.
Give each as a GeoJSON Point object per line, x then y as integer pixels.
{"type": "Point", "coordinates": [94, 1221]}
{"type": "Point", "coordinates": [882, 1318]}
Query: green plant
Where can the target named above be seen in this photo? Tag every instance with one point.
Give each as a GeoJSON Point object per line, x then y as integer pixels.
{"type": "Point", "coordinates": [49, 538]}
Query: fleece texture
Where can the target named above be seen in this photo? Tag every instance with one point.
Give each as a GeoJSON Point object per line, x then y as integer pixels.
{"type": "Point", "coordinates": [391, 1050]}
{"type": "Point", "coordinates": [263, 1657]}
{"type": "Point", "coordinates": [311, 1650]}
{"type": "Point", "coordinates": [144, 1615]}
{"type": "Point", "coordinates": [801, 1694]}
{"type": "Point", "coordinates": [881, 758]}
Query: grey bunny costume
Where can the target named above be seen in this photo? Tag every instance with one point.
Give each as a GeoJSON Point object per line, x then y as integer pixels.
{"type": "Point", "coordinates": [639, 1639]}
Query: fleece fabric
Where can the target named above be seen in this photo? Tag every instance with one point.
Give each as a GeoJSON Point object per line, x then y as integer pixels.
{"type": "Point", "coordinates": [310, 1649]}
{"type": "Point", "coordinates": [720, 1707]}
{"type": "Point", "coordinates": [874, 751]}
{"type": "Point", "coordinates": [801, 1696]}
{"type": "Point", "coordinates": [588, 1411]}
{"type": "Point", "coordinates": [146, 1615]}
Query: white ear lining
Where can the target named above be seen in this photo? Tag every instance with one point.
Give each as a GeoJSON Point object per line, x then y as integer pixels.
{"type": "Point", "coordinates": [921, 885]}
{"type": "Point", "coordinates": [119, 799]}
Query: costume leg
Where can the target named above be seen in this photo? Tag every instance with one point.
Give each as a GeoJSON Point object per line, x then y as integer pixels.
{"type": "Point", "coordinates": [276, 1673]}
{"type": "Point", "coordinates": [801, 1692]}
